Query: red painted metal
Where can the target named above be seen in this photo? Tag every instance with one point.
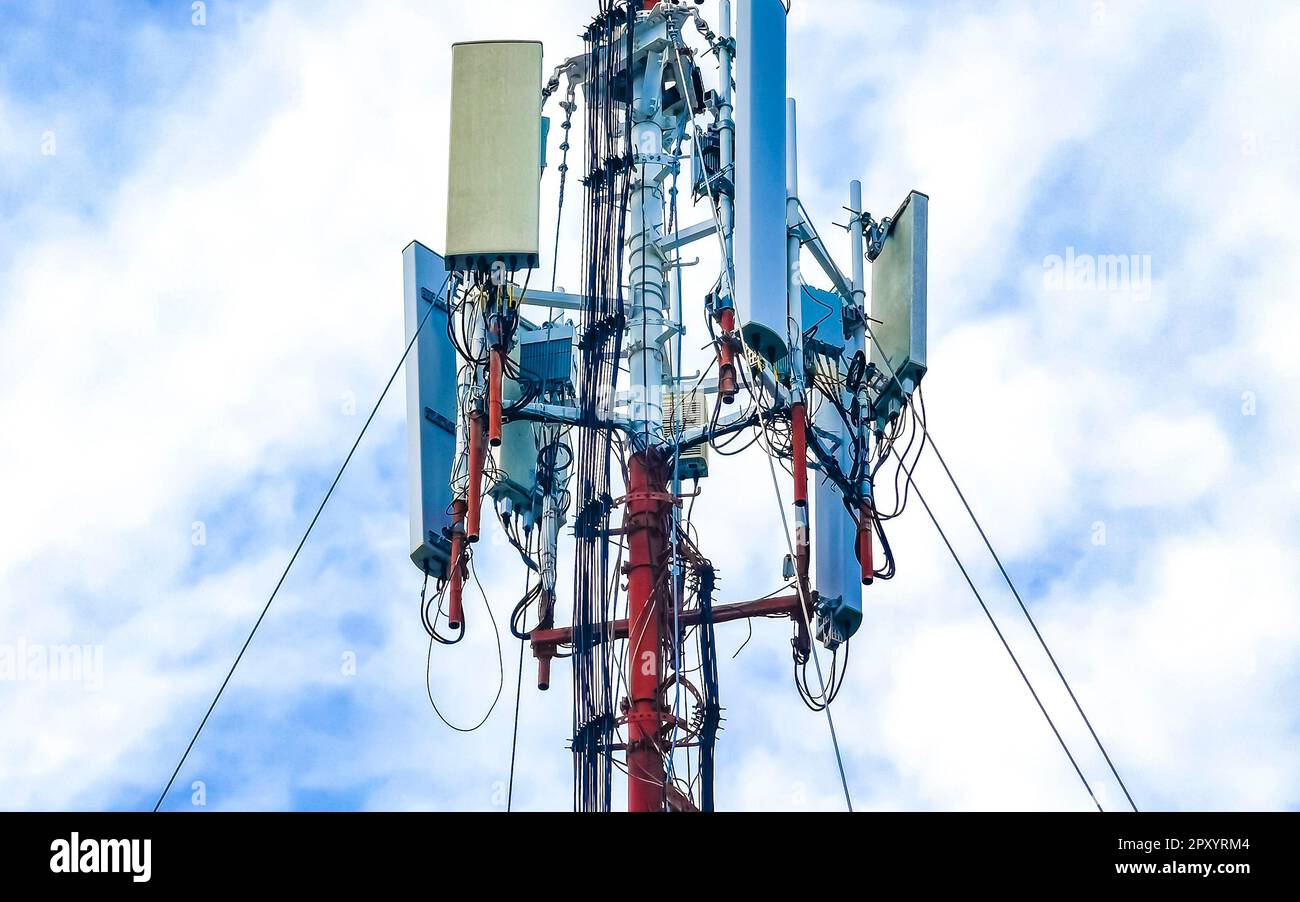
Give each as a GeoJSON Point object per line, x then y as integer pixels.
{"type": "Point", "coordinates": [494, 399]}
{"type": "Point", "coordinates": [456, 572]}
{"type": "Point", "coordinates": [866, 520]}
{"type": "Point", "coordinates": [644, 522]}
{"type": "Point", "coordinates": [727, 356]}
{"type": "Point", "coordinates": [545, 620]}
{"type": "Point", "coordinates": [477, 453]}
{"type": "Point", "coordinates": [547, 641]}
{"type": "Point", "coordinates": [544, 671]}
{"type": "Point", "coordinates": [799, 438]}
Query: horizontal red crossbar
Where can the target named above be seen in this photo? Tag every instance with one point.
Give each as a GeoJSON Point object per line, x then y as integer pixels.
{"type": "Point", "coordinates": [545, 642]}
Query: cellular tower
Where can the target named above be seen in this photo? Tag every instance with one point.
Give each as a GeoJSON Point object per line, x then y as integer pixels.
{"type": "Point", "coordinates": [555, 413]}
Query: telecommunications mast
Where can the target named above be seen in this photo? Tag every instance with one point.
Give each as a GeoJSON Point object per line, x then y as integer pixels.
{"type": "Point", "coordinates": [563, 411]}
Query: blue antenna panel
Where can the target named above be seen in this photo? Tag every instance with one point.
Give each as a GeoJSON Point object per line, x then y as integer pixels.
{"type": "Point", "coordinates": [430, 408]}
{"type": "Point", "coordinates": [760, 237]}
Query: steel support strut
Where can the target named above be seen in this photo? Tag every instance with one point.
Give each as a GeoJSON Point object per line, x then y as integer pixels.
{"type": "Point", "coordinates": [456, 571]}
{"type": "Point", "coordinates": [860, 438]}
{"type": "Point", "coordinates": [548, 641]}
{"type": "Point", "coordinates": [865, 558]}
{"type": "Point", "coordinates": [794, 326]}
{"type": "Point", "coordinates": [477, 456]}
{"type": "Point", "coordinates": [727, 387]}
{"type": "Point", "coordinates": [799, 448]}
{"type": "Point", "coordinates": [495, 367]}
{"type": "Point", "coordinates": [647, 511]}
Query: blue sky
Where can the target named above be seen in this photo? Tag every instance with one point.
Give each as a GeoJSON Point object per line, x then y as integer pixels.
{"type": "Point", "coordinates": [204, 278]}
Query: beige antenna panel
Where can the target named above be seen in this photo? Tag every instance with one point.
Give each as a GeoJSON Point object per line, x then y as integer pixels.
{"type": "Point", "coordinates": [898, 304]}
{"type": "Point", "coordinates": [494, 177]}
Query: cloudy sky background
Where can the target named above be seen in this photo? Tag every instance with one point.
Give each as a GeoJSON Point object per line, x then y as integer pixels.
{"type": "Point", "coordinates": [200, 297]}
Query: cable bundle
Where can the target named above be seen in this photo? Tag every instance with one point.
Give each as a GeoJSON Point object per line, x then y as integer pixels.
{"type": "Point", "coordinates": [607, 183]}
{"type": "Point", "coordinates": [712, 718]}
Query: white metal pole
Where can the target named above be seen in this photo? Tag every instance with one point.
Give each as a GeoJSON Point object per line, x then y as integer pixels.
{"type": "Point", "coordinates": [647, 267]}
{"type": "Point", "coordinates": [858, 336]}
{"type": "Point", "coordinates": [727, 142]}
{"type": "Point", "coordinates": [794, 293]}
